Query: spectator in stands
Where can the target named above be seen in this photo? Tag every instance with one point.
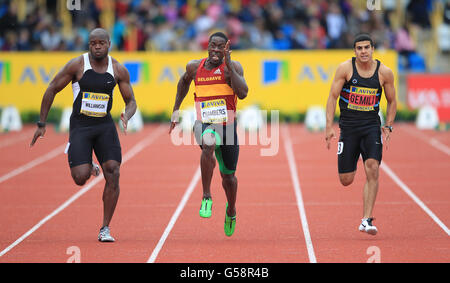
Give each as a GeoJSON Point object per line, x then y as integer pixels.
{"type": "Point", "coordinates": [404, 45]}
{"type": "Point", "coordinates": [336, 26]}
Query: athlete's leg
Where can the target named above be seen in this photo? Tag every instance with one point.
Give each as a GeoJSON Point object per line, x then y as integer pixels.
{"type": "Point", "coordinates": [207, 162]}
{"type": "Point", "coordinates": [347, 178]}
{"type": "Point", "coordinates": [229, 184]}
{"type": "Point", "coordinates": [372, 151]}
{"type": "Point", "coordinates": [371, 167]}
{"type": "Point", "coordinates": [111, 171]}
{"type": "Point", "coordinates": [348, 154]}
{"type": "Point", "coordinates": [81, 173]}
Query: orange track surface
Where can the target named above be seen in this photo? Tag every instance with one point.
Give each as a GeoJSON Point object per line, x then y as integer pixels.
{"type": "Point", "coordinates": [268, 228]}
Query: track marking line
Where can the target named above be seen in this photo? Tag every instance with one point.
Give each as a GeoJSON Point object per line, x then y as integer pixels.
{"type": "Point", "coordinates": [175, 215]}
{"type": "Point", "coordinates": [298, 193]}
{"type": "Point", "coordinates": [13, 140]}
{"type": "Point", "coordinates": [442, 147]}
{"type": "Point", "coordinates": [431, 141]}
{"type": "Point", "coordinates": [33, 163]}
{"type": "Point", "coordinates": [130, 154]}
{"type": "Point", "coordinates": [408, 191]}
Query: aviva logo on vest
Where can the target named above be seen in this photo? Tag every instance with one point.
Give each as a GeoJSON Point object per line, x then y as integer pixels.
{"type": "Point", "coordinates": [139, 71]}
{"type": "Point", "coordinates": [5, 72]}
{"type": "Point", "coordinates": [275, 71]}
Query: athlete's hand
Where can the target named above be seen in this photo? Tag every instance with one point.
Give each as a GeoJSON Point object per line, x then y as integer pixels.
{"type": "Point", "coordinates": [124, 122]}
{"type": "Point", "coordinates": [329, 135]}
{"type": "Point", "coordinates": [227, 55]}
{"type": "Point", "coordinates": [387, 136]}
{"type": "Point", "coordinates": [40, 132]}
{"type": "Point", "coordinates": [174, 120]}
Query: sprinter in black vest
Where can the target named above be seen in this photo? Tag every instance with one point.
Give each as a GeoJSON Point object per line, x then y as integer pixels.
{"type": "Point", "coordinates": [94, 76]}
{"type": "Point", "coordinates": [358, 84]}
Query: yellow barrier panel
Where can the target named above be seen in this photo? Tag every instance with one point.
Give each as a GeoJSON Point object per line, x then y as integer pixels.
{"type": "Point", "coordinates": [288, 81]}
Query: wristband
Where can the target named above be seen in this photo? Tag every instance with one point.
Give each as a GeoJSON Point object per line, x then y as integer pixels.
{"type": "Point", "coordinates": [389, 128]}
{"type": "Point", "coordinates": [40, 124]}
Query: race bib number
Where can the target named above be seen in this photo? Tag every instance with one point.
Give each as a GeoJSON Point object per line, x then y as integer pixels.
{"type": "Point", "coordinates": [94, 104]}
{"type": "Point", "coordinates": [362, 99]}
{"type": "Point", "coordinates": [214, 111]}
{"type": "Point", "coordinates": [340, 147]}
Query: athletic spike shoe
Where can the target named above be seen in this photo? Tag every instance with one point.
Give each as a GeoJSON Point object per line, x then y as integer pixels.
{"type": "Point", "coordinates": [230, 223]}
{"type": "Point", "coordinates": [206, 208]}
{"type": "Point", "coordinates": [367, 226]}
{"type": "Point", "coordinates": [104, 235]}
{"type": "Point", "coordinates": [95, 169]}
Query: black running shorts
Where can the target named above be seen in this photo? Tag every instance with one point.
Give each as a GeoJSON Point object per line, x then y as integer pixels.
{"type": "Point", "coordinates": [355, 141]}
{"type": "Point", "coordinates": [102, 138]}
{"type": "Point", "coordinates": [227, 146]}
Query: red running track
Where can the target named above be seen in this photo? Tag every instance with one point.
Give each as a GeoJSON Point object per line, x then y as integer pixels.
{"type": "Point", "coordinates": [269, 226]}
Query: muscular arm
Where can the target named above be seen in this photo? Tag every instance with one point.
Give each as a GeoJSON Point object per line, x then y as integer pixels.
{"type": "Point", "coordinates": [182, 89]}
{"type": "Point", "coordinates": [236, 74]}
{"type": "Point", "coordinates": [59, 82]}
{"type": "Point", "coordinates": [126, 90]}
{"type": "Point", "coordinates": [185, 82]}
{"type": "Point", "coordinates": [389, 90]}
{"type": "Point", "coordinates": [336, 87]}
{"type": "Point", "coordinates": [238, 83]}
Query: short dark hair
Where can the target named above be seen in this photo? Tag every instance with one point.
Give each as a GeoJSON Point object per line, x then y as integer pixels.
{"type": "Point", "coordinates": [362, 37]}
{"type": "Point", "coordinates": [219, 34]}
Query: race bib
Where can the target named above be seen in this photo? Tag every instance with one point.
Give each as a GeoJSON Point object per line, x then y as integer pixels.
{"type": "Point", "coordinates": [94, 104]}
{"type": "Point", "coordinates": [362, 99]}
{"type": "Point", "coordinates": [214, 111]}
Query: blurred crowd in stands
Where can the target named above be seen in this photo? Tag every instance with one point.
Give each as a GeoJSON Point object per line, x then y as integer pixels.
{"type": "Point", "coordinates": [172, 25]}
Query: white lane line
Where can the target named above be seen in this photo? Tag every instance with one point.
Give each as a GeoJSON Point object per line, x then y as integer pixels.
{"type": "Point", "coordinates": [130, 154]}
{"type": "Point", "coordinates": [13, 140]}
{"type": "Point", "coordinates": [33, 163]}
{"type": "Point", "coordinates": [175, 216]}
{"type": "Point", "coordinates": [298, 193]}
{"type": "Point", "coordinates": [442, 147]}
{"type": "Point", "coordinates": [432, 141]}
{"type": "Point", "coordinates": [408, 191]}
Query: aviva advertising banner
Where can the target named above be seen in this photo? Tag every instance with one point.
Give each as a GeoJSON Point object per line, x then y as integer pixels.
{"type": "Point", "coordinates": [286, 81]}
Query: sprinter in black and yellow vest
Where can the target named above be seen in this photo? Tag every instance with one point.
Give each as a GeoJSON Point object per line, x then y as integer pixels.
{"type": "Point", "coordinates": [219, 81]}
{"type": "Point", "coordinates": [358, 84]}
{"type": "Point", "coordinates": [94, 76]}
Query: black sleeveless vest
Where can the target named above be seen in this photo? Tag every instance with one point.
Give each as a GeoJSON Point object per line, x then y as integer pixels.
{"type": "Point", "coordinates": [93, 95]}
{"type": "Point", "coordinates": [360, 97]}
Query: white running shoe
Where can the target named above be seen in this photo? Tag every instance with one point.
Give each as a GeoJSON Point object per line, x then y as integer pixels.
{"type": "Point", "coordinates": [104, 235]}
{"type": "Point", "coordinates": [366, 226]}
{"type": "Point", "coordinates": [95, 169]}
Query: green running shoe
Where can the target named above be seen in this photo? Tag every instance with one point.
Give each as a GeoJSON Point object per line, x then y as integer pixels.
{"type": "Point", "coordinates": [206, 208]}
{"type": "Point", "coordinates": [230, 223]}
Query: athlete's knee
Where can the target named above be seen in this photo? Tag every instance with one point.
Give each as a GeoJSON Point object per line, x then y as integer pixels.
{"type": "Point", "coordinates": [346, 179]}
{"type": "Point", "coordinates": [208, 140]}
{"type": "Point", "coordinates": [208, 150]}
{"type": "Point", "coordinates": [229, 180]}
{"type": "Point", "coordinates": [372, 167]}
{"type": "Point", "coordinates": [372, 164]}
{"type": "Point", "coordinates": [80, 178]}
{"type": "Point", "coordinates": [111, 171]}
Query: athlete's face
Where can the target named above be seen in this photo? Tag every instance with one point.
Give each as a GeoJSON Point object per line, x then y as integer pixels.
{"type": "Point", "coordinates": [98, 47]}
{"type": "Point", "coordinates": [216, 48]}
{"type": "Point", "coordinates": [364, 51]}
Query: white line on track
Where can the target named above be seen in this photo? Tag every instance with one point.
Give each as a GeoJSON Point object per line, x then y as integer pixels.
{"type": "Point", "coordinates": [298, 193]}
{"type": "Point", "coordinates": [175, 215]}
{"type": "Point", "coordinates": [408, 191]}
{"type": "Point", "coordinates": [442, 147]}
{"type": "Point", "coordinates": [13, 140]}
{"type": "Point", "coordinates": [33, 163]}
{"type": "Point", "coordinates": [130, 154]}
{"type": "Point", "coordinates": [432, 141]}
